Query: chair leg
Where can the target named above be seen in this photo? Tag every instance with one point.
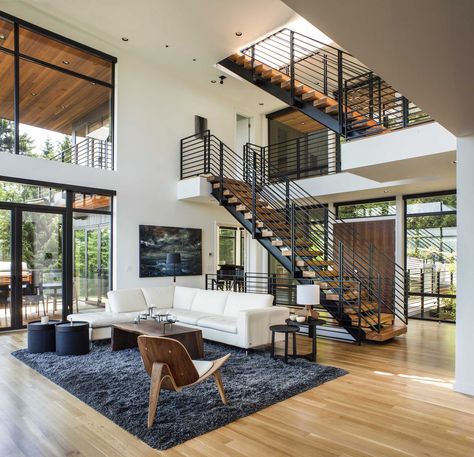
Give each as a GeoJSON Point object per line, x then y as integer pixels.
{"type": "Point", "coordinates": [155, 387]}
{"type": "Point", "coordinates": [220, 386]}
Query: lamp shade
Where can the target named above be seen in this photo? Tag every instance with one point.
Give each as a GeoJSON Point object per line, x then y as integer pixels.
{"type": "Point", "coordinates": [307, 294]}
{"type": "Point", "coordinates": [173, 258]}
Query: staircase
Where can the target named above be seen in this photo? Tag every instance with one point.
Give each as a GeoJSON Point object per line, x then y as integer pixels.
{"type": "Point", "coordinates": [325, 83]}
{"type": "Point", "coordinates": [279, 215]}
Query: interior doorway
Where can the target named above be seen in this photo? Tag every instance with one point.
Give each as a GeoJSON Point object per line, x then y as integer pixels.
{"type": "Point", "coordinates": [244, 132]}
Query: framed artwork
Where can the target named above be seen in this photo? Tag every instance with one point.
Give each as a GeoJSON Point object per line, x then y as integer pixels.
{"type": "Point", "coordinates": [170, 251]}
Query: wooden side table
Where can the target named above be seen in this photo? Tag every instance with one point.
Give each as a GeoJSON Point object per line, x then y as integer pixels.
{"type": "Point", "coordinates": [287, 330]}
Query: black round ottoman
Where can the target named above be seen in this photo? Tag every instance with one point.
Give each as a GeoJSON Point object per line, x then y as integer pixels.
{"type": "Point", "coordinates": [41, 337]}
{"type": "Point", "coordinates": [72, 338]}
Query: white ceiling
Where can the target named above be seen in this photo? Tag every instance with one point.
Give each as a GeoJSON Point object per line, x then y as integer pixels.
{"type": "Point", "coordinates": [193, 29]}
{"type": "Point", "coordinates": [424, 48]}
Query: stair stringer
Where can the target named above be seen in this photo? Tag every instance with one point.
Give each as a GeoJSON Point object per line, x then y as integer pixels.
{"type": "Point", "coordinates": [283, 95]}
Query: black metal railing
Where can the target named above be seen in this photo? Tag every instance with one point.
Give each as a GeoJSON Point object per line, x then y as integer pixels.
{"type": "Point", "coordinates": [283, 289]}
{"type": "Point", "coordinates": [89, 152]}
{"type": "Point", "coordinates": [315, 154]}
{"type": "Point", "coordinates": [351, 258]}
{"type": "Point", "coordinates": [431, 293]}
{"type": "Point", "coordinates": [368, 98]}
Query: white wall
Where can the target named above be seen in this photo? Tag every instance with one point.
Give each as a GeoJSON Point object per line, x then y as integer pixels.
{"type": "Point", "coordinates": [422, 140]}
{"type": "Point", "coordinates": [154, 109]}
{"type": "Point", "coordinates": [465, 267]}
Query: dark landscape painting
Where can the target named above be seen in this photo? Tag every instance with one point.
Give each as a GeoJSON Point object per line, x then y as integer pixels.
{"type": "Point", "coordinates": [157, 242]}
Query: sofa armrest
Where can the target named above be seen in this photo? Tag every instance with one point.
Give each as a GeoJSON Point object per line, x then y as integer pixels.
{"type": "Point", "coordinates": [253, 324]}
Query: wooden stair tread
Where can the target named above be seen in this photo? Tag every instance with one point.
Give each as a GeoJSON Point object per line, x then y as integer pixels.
{"type": "Point", "coordinates": [315, 263]}
{"type": "Point", "coordinates": [385, 318]}
{"type": "Point", "coordinates": [387, 333]}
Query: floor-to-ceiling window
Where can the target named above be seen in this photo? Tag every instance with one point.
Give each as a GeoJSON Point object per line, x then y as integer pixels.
{"type": "Point", "coordinates": [46, 266]}
{"type": "Point", "coordinates": [431, 255]}
{"type": "Point", "coordinates": [56, 97]}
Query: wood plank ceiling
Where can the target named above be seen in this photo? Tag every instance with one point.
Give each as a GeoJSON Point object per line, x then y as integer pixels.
{"type": "Point", "coordinates": [50, 99]}
{"type": "Point", "coordinates": [298, 121]}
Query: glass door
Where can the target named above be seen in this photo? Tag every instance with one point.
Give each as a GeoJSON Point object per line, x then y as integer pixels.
{"type": "Point", "coordinates": [42, 281]}
{"type": "Point", "coordinates": [5, 268]}
{"type": "Point", "coordinates": [92, 245]}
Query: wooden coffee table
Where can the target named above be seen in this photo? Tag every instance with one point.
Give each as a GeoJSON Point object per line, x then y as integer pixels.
{"type": "Point", "coordinates": [125, 336]}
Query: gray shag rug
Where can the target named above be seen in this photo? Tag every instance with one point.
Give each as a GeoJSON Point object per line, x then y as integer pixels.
{"type": "Point", "coordinates": [116, 385]}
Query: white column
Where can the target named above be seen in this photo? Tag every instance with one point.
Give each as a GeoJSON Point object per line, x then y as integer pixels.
{"type": "Point", "coordinates": [400, 231]}
{"type": "Point", "coordinates": [464, 379]}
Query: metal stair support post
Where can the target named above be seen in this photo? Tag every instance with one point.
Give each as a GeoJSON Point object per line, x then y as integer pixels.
{"type": "Point", "coordinates": [379, 299]}
{"type": "Point", "coordinates": [221, 172]}
{"type": "Point", "coordinates": [340, 97]}
{"type": "Point", "coordinates": [338, 153]}
{"type": "Point", "coordinates": [340, 278]}
{"type": "Point", "coordinates": [254, 194]}
{"type": "Point", "coordinates": [325, 74]}
{"type": "Point", "coordinates": [292, 67]}
{"type": "Point", "coordinates": [359, 312]}
{"type": "Point", "coordinates": [293, 238]}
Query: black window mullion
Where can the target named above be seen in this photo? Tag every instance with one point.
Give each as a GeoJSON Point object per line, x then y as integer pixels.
{"type": "Point", "coordinates": [16, 88]}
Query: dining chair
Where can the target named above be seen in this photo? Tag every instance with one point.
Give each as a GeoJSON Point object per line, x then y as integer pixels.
{"type": "Point", "coordinates": [170, 367]}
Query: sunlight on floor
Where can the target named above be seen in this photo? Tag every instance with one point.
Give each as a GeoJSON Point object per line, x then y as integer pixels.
{"type": "Point", "coordinates": [421, 379]}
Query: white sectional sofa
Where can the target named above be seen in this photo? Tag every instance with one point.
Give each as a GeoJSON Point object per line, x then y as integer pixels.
{"type": "Point", "coordinates": [238, 319]}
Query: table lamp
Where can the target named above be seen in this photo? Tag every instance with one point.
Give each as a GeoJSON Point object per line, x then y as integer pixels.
{"type": "Point", "coordinates": [174, 259]}
{"type": "Point", "coordinates": [308, 295]}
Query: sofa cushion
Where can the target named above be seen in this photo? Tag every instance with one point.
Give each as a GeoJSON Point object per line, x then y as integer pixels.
{"type": "Point", "coordinates": [188, 316]}
{"type": "Point", "coordinates": [161, 297]}
{"type": "Point", "coordinates": [238, 301]}
{"type": "Point", "coordinates": [226, 324]}
{"type": "Point", "coordinates": [183, 297]}
{"type": "Point", "coordinates": [103, 318]}
{"type": "Point", "coordinates": [126, 300]}
{"type": "Point", "coordinates": [210, 301]}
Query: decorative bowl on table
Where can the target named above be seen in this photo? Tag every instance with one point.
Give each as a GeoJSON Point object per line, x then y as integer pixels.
{"type": "Point", "coordinates": [300, 319]}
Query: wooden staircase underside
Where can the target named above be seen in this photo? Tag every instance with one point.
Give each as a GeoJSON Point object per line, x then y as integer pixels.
{"type": "Point", "coordinates": [310, 261]}
{"type": "Point", "coordinates": [323, 108]}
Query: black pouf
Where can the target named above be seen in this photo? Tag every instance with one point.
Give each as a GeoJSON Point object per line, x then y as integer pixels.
{"type": "Point", "coordinates": [41, 337]}
{"type": "Point", "coordinates": [72, 339]}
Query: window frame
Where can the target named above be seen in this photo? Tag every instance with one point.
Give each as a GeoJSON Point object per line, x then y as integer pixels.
{"type": "Point", "coordinates": [18, 56]}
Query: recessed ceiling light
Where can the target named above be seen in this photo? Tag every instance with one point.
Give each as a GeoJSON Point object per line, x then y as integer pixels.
{"type": "Point", "coordinates": [303, 123]}
{"type": "Point", "coordinates": [66, 62]}
{"type": "Point", "coordinates": [238, 33]}
{"type": "Point", "coordinates": [454, 162]}
{"type": "Point", "coordinates": [261, 103]}
{"type": "Point", "coordinates": [92, 83]}
{"type": "Point", "coordinates": [385, 191]}
{"type": "Point", "coordinates": [33, 94]}
{"type": "Point", "coordinates": [124, 38]}
{"type": "Point", "coordinates": [213, 81]}
{"type": "Point", "coordinates": [2, 36]}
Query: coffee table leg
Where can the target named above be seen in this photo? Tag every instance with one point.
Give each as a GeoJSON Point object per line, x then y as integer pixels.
{"type": "Point", "coordinates": [286, 347]}
{"type": "Point", "coordinates": [123, 340]}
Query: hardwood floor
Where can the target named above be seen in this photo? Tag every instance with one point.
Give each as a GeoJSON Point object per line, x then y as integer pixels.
{"type": "Point", "coordinates": [397, 400]}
